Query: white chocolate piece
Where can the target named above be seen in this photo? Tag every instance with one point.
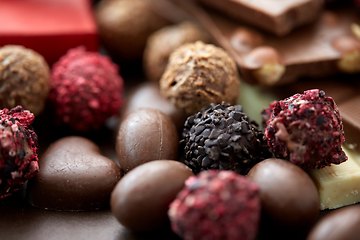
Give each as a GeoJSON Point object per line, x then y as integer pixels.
{"type": "Point", "coordinates": [339, 185]}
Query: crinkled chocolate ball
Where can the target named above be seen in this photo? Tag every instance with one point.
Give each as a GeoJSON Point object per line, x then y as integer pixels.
{"type": "Point", "coordinates": [18, 149]}
{"type": "Point", "coordinates": [307, 130]}
{"type": "Point", "coordinates": [222, 137]}
{"type": "Point", "coordinates": [86, 89]}
{"type": "Point", "coordinates": [216, 205]}
{"type": "Point", "coordinates": [199, 74]}
{"type": "Point", "coordinates": [164, 41]}
{"type": "Point", "coordinates": [24, 79]}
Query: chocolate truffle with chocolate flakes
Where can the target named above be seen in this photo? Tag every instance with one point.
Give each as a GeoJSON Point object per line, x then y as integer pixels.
{"type": "Point", "coordinates": [222, 137]}
{"type": "Point", "coordinates": [307, 130]}
{"type": "Point", "coordinates": [24, 79]}
{"type": "Point", "coordinates": [199, 74]}
{"type": "Point", "coordinates": [164, 41]}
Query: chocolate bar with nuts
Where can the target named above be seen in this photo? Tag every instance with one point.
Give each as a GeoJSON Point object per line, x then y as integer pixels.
{"type": "Point", "coordinates": [278, 17]}
{"type": "Point", "coordinates": [326, 47]}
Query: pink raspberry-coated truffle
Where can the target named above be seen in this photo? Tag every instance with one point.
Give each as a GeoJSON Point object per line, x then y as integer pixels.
{"type": "Point", "coordinates": [18, 149]}
{"type": "Point", "coordinates": [307, 130]}
{"type": "Point", "coordinates": [216, 205]}
{"type": "Point", "coordinates": [86, 89]}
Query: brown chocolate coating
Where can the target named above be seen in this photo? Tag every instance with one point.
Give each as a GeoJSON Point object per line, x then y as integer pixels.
{"type": "Point", "coordinates": [199, 74]}
{"type": "Point", "coordinates": [147, 95]}
{"type": "Point", "coordinates": [24, 79]}
{"type": "Point", "coordinates": [141, 199]}
{"type": "Point", "coordinates": [163, 42]}
{"type": "Point", "coordinates": [73, 176]}
{"type": "Point", "coordinates": [288, 195]}
{"type": "Point", "coordinates": [146, 135]}
{"type": "Point", "coordinates": [341, 224]}
{"type": "Point", "coordinates": [125, 25]}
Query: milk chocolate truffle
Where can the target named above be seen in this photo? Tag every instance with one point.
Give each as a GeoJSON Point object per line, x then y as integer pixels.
{"type": "Point", "coordinates": [288, 195]}
{"type": "Point", "coordinates": [86, 89]}
{"type": "Point", "coordinates": [18, 149]}
{"type": "Point", "coordinates": [125, 25]}
{"type": "Point", "coordinates": [222, 137]}
{"type": "Point", "coordinates": [141, 199]}
{"type": "Point", "coordinates": [163, 42]}
{"type": "Point", "coordinates": [307, 130]}
{"type": "Point", "coordinates": [340, 224]}
{"type": "Point", "coordinates": [24, 79]}
{"type": "Point", "coordinates": [199, 74]}
{"type": "Point", "coordinates": [216, 205]}
{"type": "Point", "coordinates": [146, 135]}
{"type": "Point", "coordinates": [74, 176]}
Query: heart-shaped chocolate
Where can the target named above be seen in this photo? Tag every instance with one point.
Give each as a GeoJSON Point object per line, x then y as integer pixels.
{"type": "Point", "coordinates": [73, 176]}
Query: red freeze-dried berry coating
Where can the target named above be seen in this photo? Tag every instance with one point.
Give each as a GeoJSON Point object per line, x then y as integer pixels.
{"type": "Point", "coordinates": [216, 205]}
{"type": "Point", "coordinates": [86, 89]}
{"type": "Point", "coordinates": [19, 149]}
{"type": "Point", "coordinates": [307, 130]}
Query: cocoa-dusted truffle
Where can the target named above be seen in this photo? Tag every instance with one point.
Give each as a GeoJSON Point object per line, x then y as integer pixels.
{"type": "Point", "coordinates": [125, 25]}
{"type": "Point", "coordinates": [24, 78]}
{"type": "Point", "coordinates": [163, 42]}
{"type": "Point", "coordinates": [199, 74]}
{"type": "Point", "coordinates": [86, 89]}
{"type": "Point", "coordinates": [18, 149]}
{"type": "Point", "coordinates": [307, 130]}
{"type": "Point", "coordinates": [216, 205]}
{"type": "Point", "coordinates": [222, 137]}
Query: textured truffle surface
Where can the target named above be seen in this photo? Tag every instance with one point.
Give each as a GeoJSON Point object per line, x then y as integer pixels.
{"type": "Point", "coordinates": [216, 205]}
{"type": "Point", "coordinates": [199, 74]}
{"type": "Point", "coordinates": [307, 130]}
{"type": "Point", "coordinates": [222, 137]}
{"type": "Point", "coordinates": [86, 89]}
{"type": "Point", "coordinates": [164, 41]}
{"type": "Point", "coordinates": [18, 149]}
{"type": "Point", "coordinates": [24, 79]}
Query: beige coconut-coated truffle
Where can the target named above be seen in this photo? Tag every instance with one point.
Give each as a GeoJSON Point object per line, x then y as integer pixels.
{"type": "Point", "coordinates": [24, 79]}
{"type": "Point", "coordinates": [199, 74]}
{"type": "Point", "coordinates": [125, 25]}
{"type": "Point", "coordinates": [163, 42]}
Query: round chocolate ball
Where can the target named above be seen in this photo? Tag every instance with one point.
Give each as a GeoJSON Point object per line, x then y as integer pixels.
{"type": "Point", "coordinates": [163, 42]}
{"type": "Point", "coordinates": [146, 135]}
{"type": "Point", "coordinates": [147, 95]}
{"type": "Point", "coordinates": [288, 195]}
{"type": "Point", "coordinates": [340, 224]}
{"type": "Point", "coordinates": [141, 199]}
{"type": "Point", "coordinates": [125, 25]}
{"type": "Point", "coordinates": [24, 79]}
{"type": "Point", "coordinates": [199, 74]}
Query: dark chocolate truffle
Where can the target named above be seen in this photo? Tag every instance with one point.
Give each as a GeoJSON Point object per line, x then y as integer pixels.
{"type": "Point", "coordinates": [145, 135]}
{"type": "Point", "coordinates": [307, 130]}
{"type": "Point", "coordinates": [24, 79]}
{"type": "Point", "coordinates": [141, 199]}
{"type": "Point", "coordinates": [222, 137]}
{"type": "Point", "coordinates": [216, 205]}
{"type": "Point", "coordinates": [18, 149]}
{"type": "Point", "coordinates": [288, 195]}
{"type": "Point", "coordinates": [163, 42]}
{"type": "Point", "coordinates": [74, 176]}
{"type": "Point", "coordinates": [199, 74]}
{"type": "Point", "coordinates": [125, 25]}
{"type": "Point", "coordinates": [86, 89]}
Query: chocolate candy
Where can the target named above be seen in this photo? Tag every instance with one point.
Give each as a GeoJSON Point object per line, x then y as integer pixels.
{"type": "Point", "coordinates": [147, 95]}
{"type": "Point", "coordinates": [146, 135]}
{"type": "Point", "coordinates": [288, 195]}
{"type": "Point", "coordinates": [141, 199]}
{"type": "Point", "coordinates": [74, 176]}
{"type": "Point", "coordinates": [278, 17]}
{"type": "Point", "coordinates": [325, 47]}
{"type": "Point", "coordinates": [338, 225]}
